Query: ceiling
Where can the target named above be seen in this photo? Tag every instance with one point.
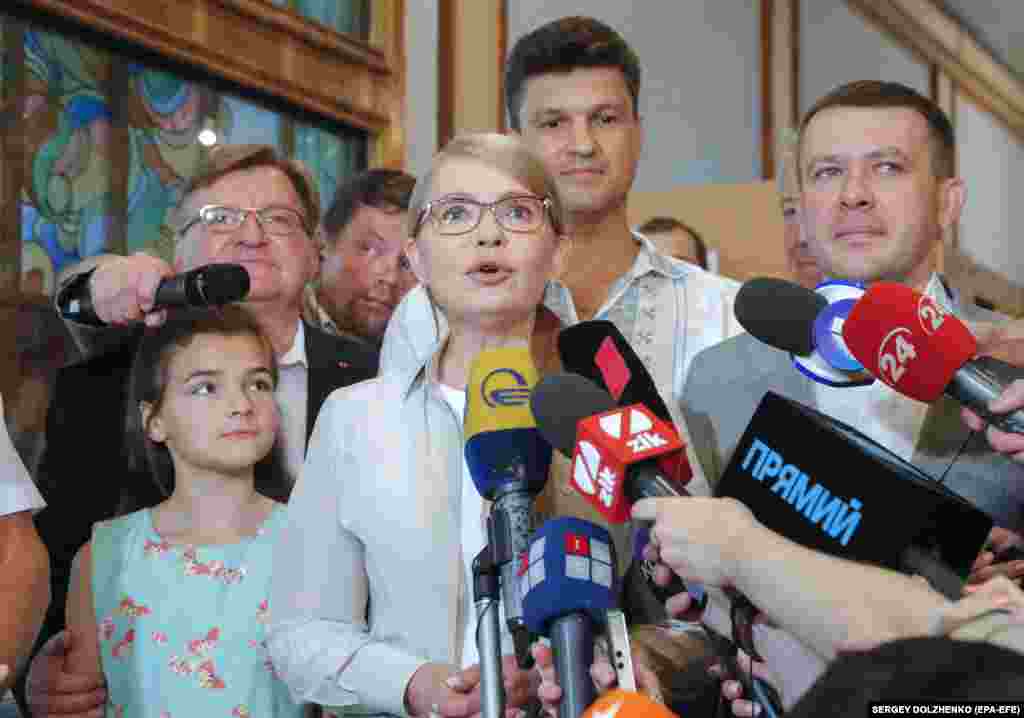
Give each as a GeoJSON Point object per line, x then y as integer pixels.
{"type": "Point", "coordinates": [998, 25]}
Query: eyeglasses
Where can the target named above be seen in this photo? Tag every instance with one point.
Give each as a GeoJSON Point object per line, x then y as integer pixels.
{"type": "Point", "coordinates": [458, 215]}
{"type": "Point", "coordinates": [221, 219]}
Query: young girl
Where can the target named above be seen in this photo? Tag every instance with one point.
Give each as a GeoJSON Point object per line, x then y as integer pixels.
{"type": "Point", "coordinates": [169, 603]}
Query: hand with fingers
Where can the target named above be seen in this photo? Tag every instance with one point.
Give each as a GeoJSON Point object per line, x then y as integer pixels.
{"type": "Point", "coordinates": [51, 691]}
{"type": "Point", "coordinates": [997, 594]}
{"type": "Point", "coordinates": [123, 289]}
{"type": "Point", "coordinates": [520, 685]}
{"type": "Point", "coordinates": [601, 673]}
{"type": "Point", "coordinates": [1003, 556]}
{"type": "Point", "coordinates": [1012, 399]}
{"type": "Point", "coordinates": [441, 691]}
{"type": "Point", "coordinates": [733, 692]}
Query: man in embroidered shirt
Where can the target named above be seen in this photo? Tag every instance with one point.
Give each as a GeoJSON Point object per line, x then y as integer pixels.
{"type": "Point", "coordinates": [363, 269]}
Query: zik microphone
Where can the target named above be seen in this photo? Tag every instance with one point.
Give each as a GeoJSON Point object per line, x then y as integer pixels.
{"type": "Point", "coordinates": [597, 350]}
{"type": "Point", "coordinates": [916, 346]}
{"type": "Point", "coordinates": [619, 455]}
{"type": "Point", "coordinates": [614, 450]}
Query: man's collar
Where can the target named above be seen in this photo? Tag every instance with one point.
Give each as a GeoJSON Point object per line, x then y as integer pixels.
{"type": "Point", "coordinates": [650, 259]}
{"type": "Point", "coordinates": [297, 353]}
{"type": "Point", "coordinates": [315, 313]}
{"type": "Point", "coordinates": [938, 289]}
{"type": "Point", "coordinates": [941, 292]}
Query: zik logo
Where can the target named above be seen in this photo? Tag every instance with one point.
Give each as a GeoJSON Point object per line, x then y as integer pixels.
{"type": "Point", "coordinates": [591, 477]}
{"type": "Point", "coordinates": [637, 426]}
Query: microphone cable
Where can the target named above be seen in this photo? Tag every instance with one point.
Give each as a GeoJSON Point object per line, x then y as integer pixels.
{"type": "Point", "coordinates": [959, 452]}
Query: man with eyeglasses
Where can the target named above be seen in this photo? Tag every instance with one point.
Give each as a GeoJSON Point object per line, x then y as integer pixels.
{"type": "Point", "coordinates": [248, 206]}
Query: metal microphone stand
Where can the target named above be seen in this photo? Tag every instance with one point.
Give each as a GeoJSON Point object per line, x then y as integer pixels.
{"type": "Point", "coordinates": [488, 634]}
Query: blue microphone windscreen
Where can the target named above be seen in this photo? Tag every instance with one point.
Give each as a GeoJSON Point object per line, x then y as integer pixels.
{"type": "Point", "coordinates": [497, 457]}
{"type": "Point", "coordinates": [569, 568]}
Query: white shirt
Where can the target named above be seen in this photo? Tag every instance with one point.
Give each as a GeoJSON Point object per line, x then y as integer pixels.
{"type": "Point", "coordinates": [292, 400]}
{"type": "Point", "coordinates": [473, 536]}
{"type": "Point", "coordinates": [17, 490]}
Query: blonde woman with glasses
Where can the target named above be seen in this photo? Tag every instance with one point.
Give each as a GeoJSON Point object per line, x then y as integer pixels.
{"type": "Point", "coordinates": [372, 605]}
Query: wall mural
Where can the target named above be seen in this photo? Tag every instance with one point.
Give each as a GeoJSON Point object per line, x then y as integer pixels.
{"type": "Point", "coordinates": [71, 170]}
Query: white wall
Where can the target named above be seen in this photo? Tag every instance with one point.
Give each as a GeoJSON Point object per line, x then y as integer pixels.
{"type": "Point", "coordinates": [420, 84]}
{"type": "Point", "coordinates": [991, 161]}
{"type": "Point", "coordinates": [837, 46]}
{"type": "Point", "coordinates": [700, 93]}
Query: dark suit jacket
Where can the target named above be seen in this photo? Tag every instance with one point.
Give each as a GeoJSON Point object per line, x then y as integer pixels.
{"type": "Point", "coordinates": [84, 473]}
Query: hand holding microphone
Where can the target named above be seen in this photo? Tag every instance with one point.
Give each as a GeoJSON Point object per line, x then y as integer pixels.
{"type": "Point", "coordinates": [701, 539]}
{"type": "Point", "coordinates": [1011, 444]}
{"type": "Point", "coordinates": [123, 290]}
{"type": "Point", "coordinates": [916, 346]}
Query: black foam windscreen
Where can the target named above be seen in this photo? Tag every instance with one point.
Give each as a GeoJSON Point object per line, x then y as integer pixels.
{"type": "Point", "coordinates": [560, 401]}
{"type": "Point", "coordinates": [779, 313]}
{"type": "Point", "coordinates": [223, 283]}
{"type": "Point", "coordinates": [597, 350]}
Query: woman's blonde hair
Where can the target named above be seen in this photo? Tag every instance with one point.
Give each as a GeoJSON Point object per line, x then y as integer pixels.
{"type": "Point", "coordinates": [505, 153]}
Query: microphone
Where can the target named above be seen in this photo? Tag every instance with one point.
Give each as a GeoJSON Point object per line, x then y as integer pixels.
{"type": "Point", "coordinates": [598, 351]}
{"type": "Point", "coordinates": [805, 324]}
{"type": "Point", "coordinates": [605, 448]}
{"type": "Point", "coordinates": [618, 703]}
{"type": "Point", "coordinates": [213, 284]}
{"type": "Point", "coordinates": [508, 461]}
{"type": "Point", "coordinates": [614, 450]}
{"type": "Point", "coordinates": [917, 347]}
{"type": "Point", "coordinates": [568, 583]}
{"type": "Point", "coordinates": [823, 484]}
{"type": "Point", "coordinates": [619, 456]}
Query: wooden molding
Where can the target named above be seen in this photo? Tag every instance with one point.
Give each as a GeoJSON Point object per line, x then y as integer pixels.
{"type": "Point", "coordinates": [502, 49]}
{"type": "Point", "coordinates": [469, 86]}
{"type": "Point", "coordinates": [387, 33]}
{"type": "Point", "coordinates": [12, 160]}
{"type": "Point", "coordinates": [924, 28]}
{"type": "Point", "coordinates": [780, 47]}
{"type": "Point", "coordinates": [258, 46]}
{"type": "Point", "coordinates": [943, 92]}
{"type": "Point", "coordinates": [447, 37]}
{"type": "Point", "coordinates": [768, 118]}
